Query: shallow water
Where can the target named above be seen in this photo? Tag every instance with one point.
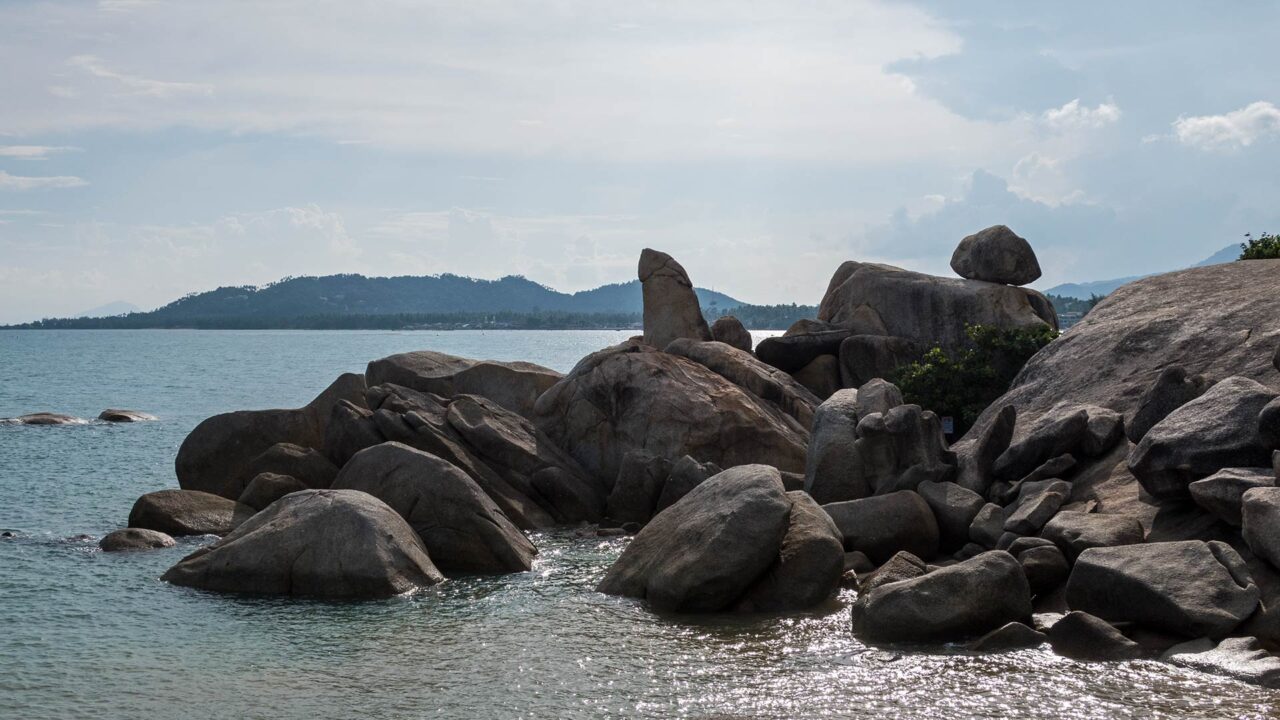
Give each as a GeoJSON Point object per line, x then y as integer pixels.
{"type": "Point", "coordinates": [88, 634]}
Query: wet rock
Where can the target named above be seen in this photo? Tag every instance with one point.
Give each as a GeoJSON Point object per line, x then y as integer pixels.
{"type": "Point", "coordinates": [954, 508]}
{"type": "Point", "coordinates": [1170, 391]}
{"type": "Point", "coordinates": [125, 416]}
{"type": "Point", "coordinates": [1223, 492]}
{"type": "Point", "coordinates": [187, 512]}
{"type": "Point", "coordinates": [351, 428]}
{"type": "Point", "coordinates": [135, 539]}
{"type": "Point", "coordinates": [808, 567]}
{"type": "Point", "coordinates": [987, 525]}
{"type": "Point", "coordinates": [309, 466]}
{"type": "Point", "coordinates": [864, 358]}
{"type": "Point", "coordinates": [632, 397]}
{"type": "Point", "coordinates": [996, 255]}
{"type": "Point", "coordinates": [1075, 532]}
{"type": "Point", "coordinates": [948, 604]}
{"type": "Point", "coordinates": [267, 488]}
{"type": "Point", "coordinates": [1081, 636]}
{"type": "Point", "coordinates": [513, 385]}
{"type": "Point", "coordinates": [671, 307]}
{"type": "Point", "coordinates": [1013, 636]}
{"type": "Point", "coordinates": [639, 484]}
{"type": "Point", "coordinates": [44, 418]}
{"type": "Point", "coordinates": [744, 370]}
{"type": "Point", "coordinates": [320, 543]}
{"type": "Point", "coordinates": [1260, 513]}
{"type": "Point", "coordinates": [461, 527]}
{"type": "Point", "coordinates": [1189, 588]}
{"type": "Point", "coordinates": [704, 552]}
{"type": "Point", "coordinates": [821, 376]}
{"type": "Point", "coordinates": [1217, 430]}
{"type": "Point", "coordinates": [976, 458]}
{"type": "Point", "coordinates": [881, 526]}
{"type": "Point", "coordinates": [730, 331]}
{"type": "Point", "coordinates": [1240, 658]}
{"type": "Point", "coordinates": [686, 474]}
{"type": "Point", "coordinates": [220, 448]}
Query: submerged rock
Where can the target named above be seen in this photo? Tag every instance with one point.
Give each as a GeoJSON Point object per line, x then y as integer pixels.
{"type": "Point", "coordinates": [1013, 636]}
{"type": "Point", "coordinates": [135, 539]}
{"type": "Point", "coordinates": [188, 512]}
{"type": "Point", "coordinates": [1081, 636]}
{"type": "Point", "coordinates": [44, 418]}
{"type": "Point", "coordinates": [671, 308]}
{"type": "Point", "coordinates": [1240, 658]}
{"type": "Point", "coordinates": [318, 543]}
{"type": "Point", "coordinates": [125, 416]}
{"type": "Point", "coordinates": [996, 255]}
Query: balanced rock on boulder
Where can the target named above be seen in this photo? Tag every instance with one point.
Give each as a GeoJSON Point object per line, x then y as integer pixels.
{"type": "Point", "coordinates": [671, 308]}
{"type": "Point", "coordinates": [996, 255]}
{"type": "Point", "coordinates": [318, 543]}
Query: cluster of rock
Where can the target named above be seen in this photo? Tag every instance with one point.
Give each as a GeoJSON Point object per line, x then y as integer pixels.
{"type": "Point", "coordinates": [110, 415]}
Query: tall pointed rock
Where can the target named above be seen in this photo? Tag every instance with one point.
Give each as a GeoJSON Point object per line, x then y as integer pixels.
{"type": "Point", "coordinates": [671, 307]}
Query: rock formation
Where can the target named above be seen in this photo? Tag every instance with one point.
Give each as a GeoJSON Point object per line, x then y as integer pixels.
{"type": "Point", "coordinates": [671, 308]}
{"type": "Point", "coordinates": [996, 255]}
{"type": "Point", "coordinates": [730, 331]}
{"type": "Point", "coordinates": [513, 385]}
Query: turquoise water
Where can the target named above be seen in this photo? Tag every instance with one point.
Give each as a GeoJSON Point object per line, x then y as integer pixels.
{"type": "Point", "coordinates": [91, 635]}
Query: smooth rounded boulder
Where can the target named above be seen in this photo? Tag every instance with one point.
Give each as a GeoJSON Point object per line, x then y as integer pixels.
{"type": "Point", "coordinates": [730, 331]}
{"type": "Point", "coordinates": [461, 528]}
{"type": "Point", "coordinates": [187, 512]}
{"type": "Point", "coordinates": [809, 564]}
{"type": "Point", "coordinates": [115, 415]}
{"type": "Point", "coordinates": [308, 466]}
{"type": "Point", "coordinates": [315, 543]}
{"type": "Point", "coordinates": [135, 539]}
{"type": "Point", "coordinates": [952, 603]}
{"type": "Point", "coordinates": [267, 488]}
{"type": "Point", "coordinates": [997, 255]}
{"type": "Point", "coordinates": [882, 525]}
{"type": "Point", "coordinates": [704, 552]}
{"type": "Point", "coordinates": [1081, 636]}
{"type": "Point", "coordinates": [1189, 588]}
{"type": "Point", "coordinates": [1170, 391]}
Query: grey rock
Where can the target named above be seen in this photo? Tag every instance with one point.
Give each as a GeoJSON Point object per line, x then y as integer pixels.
{"type": "Point", "coordinates": [1013, 636]}
{"type": "Point", "coordinates": [461, 527]}
{"type": "Point", "coordinates": [125, 416]}
{"type": "Point", "coordinates": [267, 488]}
{"type": "Point", "coordinates": [1045, 567]}
{"type": "Point", "coordinates": [214, 456]}
{"type": "Point", "coordinates": [900, 449]}
{"type": "Point", "coordinates": [831, 465]}
{"type": "Point", "coordinates": [671, 307]}
{"type": "Point", "coordinates": [987, 525]}
{"type": "Point", "coordinates": [1081, 636]}
{"type": "Point", "coordinates": [1104, 430]}
{"type": "Point", "coordinates": [964, 600]}
{"type": "Point", "coordinates": [881, 526]}
{"type": "Point", "coordinates": [1239, 658]}
{"type": "Point", "coordinates": [1058, 432]}
{"type": "Point", "coordinates": [859, 562]}
{"type": "Point", "coordinates": [639, 484]}
{"type": "Point", "coordinates": [864, 358]}
{"type": "Point", "coordinates": [513, 385]}
{"type": "Point", "coordinates": [1260, 512]}
{"type": "Point", "coordinates": [801, 344]}
{"type": "Point", "coordinates": [187, 512]}
{"type": "Point", "coordinates": [318, 543]}
{"type": "Point", "coordinates": [878, 395]}
{"type": "Point", "coordinates": [744, 370]}
{"type": "Point", "coordinates": [996, 255]}
{"type": "Point", "coordinates": [309, 466]}
{"type": "Point", "coordinates": [1020, 544]}
{"type": "Point", "coordinates": [686, 474]}
{"type": "Point", "coordinates": [730, 331]}
{"type": "Point", "coordinates": [1034, 511]}
{"type": "Point", "coordinates": [351, 429]}
{"type": "Point", "coordinates": [821, 376]}
{"type": "Point", "coordinates": [1269, 425]}
{"type": "Point", "coordinates": [1189, 588]}
{"type": "Point", "coordinates": [1217, 430]}
{"type": "Point", "coordinates": [808, 567]}
{"type": "Point", "coordinates": [976, 458]}
{"type": "Point", "coordinates": [954, 508]}
{"type": "Point", "coordinates": [1075, 532]}
{"type": "Point", "coordinates": [902, 566]}
{"type": "Point", "coordinates": [135, 539]}
{"type": "Point", "coordinates": [1222, 492]}
{"type": "Point", "coordinates": [704, 552]}
{"type": "Point", "coordinates": [1172, 389]}
{"type": "Point", "coordinates": [43, 418]}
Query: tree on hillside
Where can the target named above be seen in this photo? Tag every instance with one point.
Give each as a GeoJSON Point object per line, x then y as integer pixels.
{"type": "Point", "coordinates": [1264, 247]}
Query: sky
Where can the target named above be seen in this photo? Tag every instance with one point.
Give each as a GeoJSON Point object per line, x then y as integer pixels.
{"type": "Point", "coordinates": [149, 149]}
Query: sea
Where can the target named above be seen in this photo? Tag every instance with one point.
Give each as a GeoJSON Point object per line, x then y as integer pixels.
{"type": "Point", "coordinates": [87, 634]}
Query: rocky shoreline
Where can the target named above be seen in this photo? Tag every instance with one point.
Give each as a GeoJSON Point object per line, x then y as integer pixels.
{"type": "Point", "coordinates": [1119, 501]}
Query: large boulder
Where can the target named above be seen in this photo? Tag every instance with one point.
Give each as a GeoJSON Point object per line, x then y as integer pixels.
{"type": "Point", "coordinates": [1172, 389]}
{"type": "Point", "coordinates": [351, 429]}
{"type": "Point", "coordinates": [996, 255]}
{"type": "Point", "coordinates": [1269, 425]}
{"type": "Point", "coordinates": [1260, 515]}
{"type": "Point", "coordinates": [704, 552]}
{"type": "Point", "coordinates": [135, 539]}
{"type": "Point", "coordinates": [686, 474]}
{"type": "Point", "coordinates": [954, 508]}
{"type": "Point", "coordinates": [830, 465]}
{"type": "Point", "coordinates": [671, 307]}
{"type": "Point", "coordinates": [809, 564]}
{"type": "Point", "coordinates": [319, 543]}
{"type": "Point", "coordinates": [881, 526]}
{"type": "Point", "coordinates": [899, 449]}
{"type": "Point", "coordinates": [1217, 430]}
{"type": "Point", "coordinates": [864, 358]}
{"type": "Point", "coordinates": [926, 310]}
{"type": "Point", "coordinates": [801, 344]}
{"type": "Point", "coordinates": [1074, 532]}
{"type": "Point", "coordinates": [309, 466]}
{"type": "Point", "coordinates": [214, 456]}
{"type": "Point", "coordinates": [513, 385]}
{"type": "Point", "coordinates": [730, 331]}
{"type": "Point", "coordinates": [744, 370]}
{"type": "Point", "coordinates": [976, 457]}
{"type": "Point", "coordinates": [964, 600]}
{"type": "Point", "coordinates": [187, 512]}
{"type": "Point", "coordinates": [1222, 493]}
{"type": "Point", "coordinates": [1056, 433]}
{"type": "Point", "coordinates": [632, 396]}
{"type": "Point", "coordinates": [461, 528]}
{"type": "Point", "coordinates": [1190, 588]}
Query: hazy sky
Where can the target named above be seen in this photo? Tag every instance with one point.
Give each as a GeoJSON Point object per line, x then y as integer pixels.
{"type": "Point", "coordinates": [149, 149]}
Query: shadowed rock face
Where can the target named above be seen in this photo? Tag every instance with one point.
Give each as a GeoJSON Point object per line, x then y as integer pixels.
{"type": "Point", "coordinates": [513, 385]}
{"type": "Point", "coordinates": [215, 455]}
{"type": "Point", "coordinates": [730, 331]}
{"type": "Point", "coordinates": [996, 255]}
{"type": "Point", "coordinates": [633, 397]}
{"type": "Point", "coordinates": [318, 543]}
{"type": "Point", "coordinates": [671, 307]}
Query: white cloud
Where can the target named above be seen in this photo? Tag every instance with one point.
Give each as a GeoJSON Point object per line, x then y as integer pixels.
{"type": "Point", "coordinates": [1074, 116]}
{"type": "Point", "coordinates": [1236, 129]}
{"type": "Point", "coordinates": [20, 182]}
{"type": "Point", "coordinates": [136, 85]}
{"type": "Point", "coordinates": [31, 152]}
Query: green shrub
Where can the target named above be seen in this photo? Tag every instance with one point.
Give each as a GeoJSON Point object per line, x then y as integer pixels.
{"type": "Point", "coordinates": [1264, 247]}
{"type": "Point", "coordinates": [962, 384]}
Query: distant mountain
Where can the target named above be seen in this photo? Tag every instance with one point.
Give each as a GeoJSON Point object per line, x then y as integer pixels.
{"type": "Point", "coordinates": [1085, 290]}
{"type": "Point", "coordinates": [356, 295]}
{"type": "Point", "coordinates": [118, 307]}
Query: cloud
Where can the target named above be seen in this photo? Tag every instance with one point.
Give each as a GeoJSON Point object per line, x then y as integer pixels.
{"type": "Point", "coordinates": [19, 182]}
{"type": "Point", "coordinates": [136, 85]}
{"type": "Point", "coordinates": [32, 152]}
{"type": "Point", "coordinates": [1233, 130]}
{"type": "Point", "coordinates": [1074, 116]}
